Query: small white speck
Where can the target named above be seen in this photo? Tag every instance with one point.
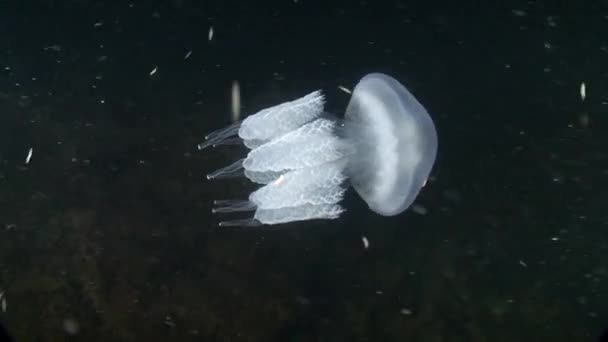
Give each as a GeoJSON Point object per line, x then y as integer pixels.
{"type": "Point", "coordinates": [555, 238]}
{"type": "Point", "coordinates": [583, 91]}
{"type": "Point", "coordinates": [379, 292]}
{"type": "Point", "coordinates": [405, 311]}
{"type": "Point", "coordinates": [98, 24]}
{"type": "Point", "coordinates": [521, 262]}
{"type": "Point", "coordinates": [154, 71]}
{"type": "Point", "coordinates": [418, 209]}
{"type": "Point", "coordinates": [236, 101]}
{"type": "Point", "coordinates": [365, 242]}
{"type": "Point", "coordinates": [4, 304]}
{"type": "Point", "coordinates": [70, 326]}
{"type": "Point", "coordinates": [188, 55]}
{"type": "Point", "coordinates": [344, 89]}
{"type": "Point", "coordinates": [210, 33]}
{"type": "Point", "coordinates": [29, 155]}
{"type": "Point", "coordinates": [169, 322]}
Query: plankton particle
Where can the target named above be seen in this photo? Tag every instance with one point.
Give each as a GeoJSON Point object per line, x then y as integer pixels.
{"type": "Point", "coordinates": [236, 101]}
{"type": "Point", "coordinates": [29, 155]}
{"type": "Point", "coordinates": [210, 33]}
{"type": "Point", "coordinates": [188, 54]}
{"type": "Point", "coordinates": [365, 242]}
{"type": "Point", "coordinates": [583, 91]}
{"type": "Point", "coordinates": [344, 89]}
{"type": "Point", "coordinates": [153, 71]}
{"type": "Point", "coordinates": [405, 311]}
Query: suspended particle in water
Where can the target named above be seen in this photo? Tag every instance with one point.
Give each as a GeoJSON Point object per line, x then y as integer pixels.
{"type": "Point", "coordinates": [29, 155]}
{"type": "Point", "coordinates": [405, 311]}
{"type": "Point", "coordinates": [235, 101]}
{"type": "Point", "coordinates": [344, 89]}
{"type": "Point", "coordinates": [70, 326]}
{"type": "Point", "coordinates": [365, 242]}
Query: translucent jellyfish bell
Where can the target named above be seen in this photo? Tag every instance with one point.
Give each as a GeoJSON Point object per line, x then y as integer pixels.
{"type": "Point", "coordinates": [385, 146]}
{"type": "Point", "coordinates": [395, 144]}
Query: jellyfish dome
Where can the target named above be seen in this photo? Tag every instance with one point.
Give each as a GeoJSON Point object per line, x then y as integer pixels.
{"type": "Point", "coordinates": [305, 159]}
{"type": "Point", "coordinates": [395, 144]}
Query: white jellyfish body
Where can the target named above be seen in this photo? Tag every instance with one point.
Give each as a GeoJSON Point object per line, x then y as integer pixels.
{"type": "Point", "coordinates": [395, 144]}
{"type": "Point", "coordinates": [385, 147]}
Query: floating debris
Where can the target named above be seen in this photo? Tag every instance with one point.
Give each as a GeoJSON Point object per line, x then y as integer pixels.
{"type": "Point", "coordinates": [519, 13]}
{"type": "Point", "coordinates": [210, 33]}
{"type": "Point", "coordinates": [302, 300]}
{"type": "Point", "coordinates": [70, 326]}
{"type": "Point", "coordinates": [418, 209]}
{"type": "Point", "coordinates": [188, 55]}
{"type": "Point", "coordinates": [583, 91]}
{"type": "Point", "coordinates": [236, 101]}
{"type": "Point", "coordinates": [54, 47]}
{"type": "Point", "coordinates": [4, 304]}
{"type": "Point", "coordinates": [344, 89]}
{"type": "Point", "coordinates": [29, 155]}
{"type": "Point", "coordinates": [584, 120]}
{"type": "Point", "coordinates": [169, 321]}
{"type": "Point", "coordinates": [365, 242]}
{"type": "Point", "coordinates": [521, 262]}
{"type": "Point", "coordinates": [154, 70]}
{"type": "Point", "coordinates": [98, 24]}
{"type": "Point", "coordinates": [405, 311]}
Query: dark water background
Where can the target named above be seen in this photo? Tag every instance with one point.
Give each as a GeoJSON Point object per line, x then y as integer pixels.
{"type": "Point", "coordinates": [107, 235]}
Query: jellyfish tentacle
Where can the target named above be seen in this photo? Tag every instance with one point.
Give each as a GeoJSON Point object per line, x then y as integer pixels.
{"type": "Point", "coordinates": [227, 206]}
{"type": "Point", "coordinates": [217, 137]}
{"type": "Point", "coordinates": [233, 170]}
{"type": "Point", "coordinates": [251, 222]}
{"type": "Point", "coordinates": [228, 141]}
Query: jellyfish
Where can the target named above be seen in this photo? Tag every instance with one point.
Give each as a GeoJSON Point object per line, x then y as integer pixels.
{"type": "Point", "coordinates": [304, 159]}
